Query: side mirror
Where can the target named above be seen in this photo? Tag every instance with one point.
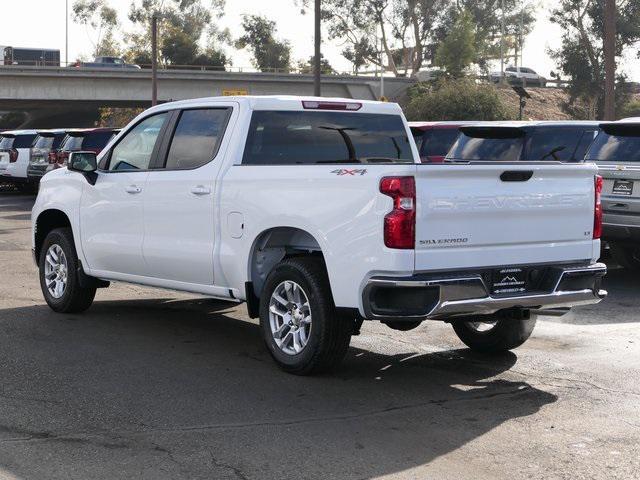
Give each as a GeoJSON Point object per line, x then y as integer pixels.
{"type": "Point", "coordinates": [85, 163]}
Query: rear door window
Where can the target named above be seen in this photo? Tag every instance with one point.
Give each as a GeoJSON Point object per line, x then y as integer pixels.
{"type": "Point", "coordinates": [320, 137]}
{"type": "Point", "coordinates": [555, 144]}
{"type": "Point", "coordinates": [196, 138]}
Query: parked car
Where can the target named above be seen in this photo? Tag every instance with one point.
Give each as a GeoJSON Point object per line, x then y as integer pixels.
{"type": "Point", "coordinates": [434, 139]}
{"type": "Point", "coordinates": [47, 142]}
{"type": "Point", "coordinates": [77, 139]}
{"type": "Point", "coordinates": [107, 62]}
{"type": "Point", "coordinates": [616, 151]}
{"type": "Point", "coordinates": [519, 76]}
{"type": "Point", "coordinates": [317, 213]}
{"type": "Point", "coordinates": [15, 149]}
{"type": "Point", "coordinates": [564, 141]}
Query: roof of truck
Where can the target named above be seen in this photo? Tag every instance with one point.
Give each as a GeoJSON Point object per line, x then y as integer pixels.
{"type": "Point", "coordinates": [282, 102]}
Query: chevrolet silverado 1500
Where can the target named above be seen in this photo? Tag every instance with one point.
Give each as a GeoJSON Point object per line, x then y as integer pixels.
{"type": "Point", "coordinates": [318, 214]}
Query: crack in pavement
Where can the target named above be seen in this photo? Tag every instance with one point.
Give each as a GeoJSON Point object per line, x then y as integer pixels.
{"type": "Point", "coordinates": [237, 472]}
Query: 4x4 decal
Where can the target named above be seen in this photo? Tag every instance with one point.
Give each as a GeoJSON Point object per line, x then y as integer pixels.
{"type": "Point", "coordinates": [349, 171]}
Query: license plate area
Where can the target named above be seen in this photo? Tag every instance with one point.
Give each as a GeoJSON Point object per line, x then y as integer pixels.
{"type": "Point", "coordinates": [509, 280]}
{"type": "Point", "coordinates": [622, 187]}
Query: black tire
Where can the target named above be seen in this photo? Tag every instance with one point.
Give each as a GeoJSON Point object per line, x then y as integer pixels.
{"type": "Point", "coordinates": [506, 334]}
{"type": "Point", "coordinates": [330, 332]}
{"type": "Point", "coordinates": [75, 299]}
{"type": "Point", "coordinates": [626, 256]}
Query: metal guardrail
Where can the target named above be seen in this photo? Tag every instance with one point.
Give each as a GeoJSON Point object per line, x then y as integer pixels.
{"type": "Point", "coordinates": [506, 81]}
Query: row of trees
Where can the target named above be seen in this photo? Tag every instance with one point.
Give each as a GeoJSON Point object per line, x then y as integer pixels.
{"type": "Point", "coordinates": [405, 33]}
{"type": "Point", "coordinates": [403, 36]}
{"type": "Point", "coordinates": [189, 34]}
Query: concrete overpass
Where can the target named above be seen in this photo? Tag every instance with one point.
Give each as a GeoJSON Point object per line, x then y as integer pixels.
{"type": "Point", "coordinates": [53, 96]}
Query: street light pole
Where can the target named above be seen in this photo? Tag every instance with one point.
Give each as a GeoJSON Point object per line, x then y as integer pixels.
{"type": "Point", "coordinates": [502, 39]}
{"type": "Point", "coordinates": [154, 60]}
{"type": "Point", "coordinates": [610, 60]}
{"type": "Point", "coordinates": [66, 33]}
{"type": "Point", "coordinates": [317, 41]}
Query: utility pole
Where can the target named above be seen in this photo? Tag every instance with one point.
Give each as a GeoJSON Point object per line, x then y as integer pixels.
{"type": "Point", "coordinates": [317, 55]}
{"type": "Point", "coordinates": [66, 33]}
{"type": "Point", "coordinates": [382, 69]}
{"type": "Point", "coordinates": [610, 60]}
{"type": "Point", "coordinates": [154, 60]}
{"type": "Point", "coordinates": [502, 39]}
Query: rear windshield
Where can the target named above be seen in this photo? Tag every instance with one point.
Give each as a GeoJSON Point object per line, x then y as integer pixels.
{"type": "Point", "coordinates": [43, 143]}
{"type": "Point", "coordinates": [96, 140]}
{"type": "Point", "coordinates": [298, 138]}
{"type": "Point", "coordinates": [438, 142]}
{"type": "Point", "coordinates": [614, 148]}
{"type": "Point", "coordinates": [6, 143]}
{"type": "Point", "coordinates": [557, 144]}
{"type": "Point", "coordinates": [486, 149]}
{"type": "Point", "coordinates": [72, 143]}
{"type": "Point", "coordinates": [24, 141]}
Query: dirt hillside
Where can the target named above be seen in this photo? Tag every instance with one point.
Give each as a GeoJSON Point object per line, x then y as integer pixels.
{"type": "Point", "coordinates": [544, 104]}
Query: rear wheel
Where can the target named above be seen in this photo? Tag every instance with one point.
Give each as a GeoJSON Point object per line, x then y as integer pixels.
{"type": "Point", "coordinates": [59, 279]}
{"type": "Point", "coordinates": [301, 327]}
{"type": "Point", "coordinates": [627, 256]}
{"type": "Point", "coordinates": [494, 334]}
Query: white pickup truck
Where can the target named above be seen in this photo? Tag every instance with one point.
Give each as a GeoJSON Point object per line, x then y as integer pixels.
{"type": "Point", "coordinates": [318, 214]}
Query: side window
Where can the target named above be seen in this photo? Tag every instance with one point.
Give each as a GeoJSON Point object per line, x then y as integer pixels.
{"type": "Point", "coordinates": [196, 138]}
{"type": "Point", "coordinates": [134, 150]}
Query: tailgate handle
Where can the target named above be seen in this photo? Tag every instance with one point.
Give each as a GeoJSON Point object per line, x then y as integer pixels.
{"type": "Point", "coordinates": [516, 175]}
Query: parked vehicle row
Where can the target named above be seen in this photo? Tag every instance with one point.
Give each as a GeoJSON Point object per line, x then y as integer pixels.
{"type": "Point", "coordinates": [26, 155]}
{"type": "Point", "coordinates": [319, 214]}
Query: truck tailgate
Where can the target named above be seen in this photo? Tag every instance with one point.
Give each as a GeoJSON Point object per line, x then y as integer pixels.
{"type": "Point", "coordinates": [480, 215]}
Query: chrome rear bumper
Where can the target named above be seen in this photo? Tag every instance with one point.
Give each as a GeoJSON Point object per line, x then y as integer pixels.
{"type": "Point", "coordinates": [464, 295]}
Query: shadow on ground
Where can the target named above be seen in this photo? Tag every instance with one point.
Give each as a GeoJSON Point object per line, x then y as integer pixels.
{"type": "Point", "coordinates": [175, 389]}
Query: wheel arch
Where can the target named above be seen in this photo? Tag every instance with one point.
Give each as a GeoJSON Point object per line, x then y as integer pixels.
{"type": "Point", "coordinates": [273, 245]}
{"type": "Point", "coordinates": [47, 221]}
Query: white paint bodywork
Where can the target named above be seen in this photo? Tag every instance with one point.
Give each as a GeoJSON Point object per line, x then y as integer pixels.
{"type": "Point", "coordinates": [17, 169]}
{"type": "Point", "coordinates": [165, 236]}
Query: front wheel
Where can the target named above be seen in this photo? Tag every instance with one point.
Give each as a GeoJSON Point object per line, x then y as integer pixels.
{"type": "Point", "coordinates": [494, 334]}
{"type": "Point", "coordinates": [58, 270]}
{"type": "Point", "coordinates": [301, 327]}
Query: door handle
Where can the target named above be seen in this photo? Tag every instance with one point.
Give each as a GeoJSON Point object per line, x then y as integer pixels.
{"type": "Point", "coordinates": [200, 190]}
{"type": "Point", "coordinates": [133, 189]}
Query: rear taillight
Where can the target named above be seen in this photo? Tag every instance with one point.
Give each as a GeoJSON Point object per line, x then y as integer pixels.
{"type": "Point", "coordinates": [53, 157]}
{"type": "Point", "coordinates": [597, 212]}
{"type": "Point", "coordinates": [13, 155]}
{"type": "Point", "coordinates": [400, 223]}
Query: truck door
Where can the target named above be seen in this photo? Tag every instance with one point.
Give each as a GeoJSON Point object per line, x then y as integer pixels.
{"type": "Point", "coordinates": [111, 215]}
{"type": "Point", "coordinates": [179, 202]}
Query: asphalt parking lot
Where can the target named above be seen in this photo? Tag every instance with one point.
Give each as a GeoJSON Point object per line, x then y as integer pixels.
{"type": "Point", "coordinates": [159, 385]}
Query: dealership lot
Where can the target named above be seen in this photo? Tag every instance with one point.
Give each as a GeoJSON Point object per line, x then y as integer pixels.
{"type": "Point", "coordinates": [155, 384]}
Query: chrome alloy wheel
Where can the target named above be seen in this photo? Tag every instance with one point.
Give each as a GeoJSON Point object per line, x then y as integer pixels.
{"type": "Point", "coordinates": [56, 271]}
{"type": "Point", "coordinates": [482, 326]}
{"type": "Point", "coordinates": [290, 317]}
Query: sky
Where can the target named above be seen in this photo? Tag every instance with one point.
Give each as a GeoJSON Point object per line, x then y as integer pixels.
{"type": "Point", "coordinates": [40, 23]}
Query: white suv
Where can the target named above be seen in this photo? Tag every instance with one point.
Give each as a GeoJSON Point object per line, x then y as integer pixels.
{"type": "Point", "coordinates": [520, 76]}
{"type": "Point", "coordinates": [318, 214]}
{"type": "Point", "coordinates": [15, 150]}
